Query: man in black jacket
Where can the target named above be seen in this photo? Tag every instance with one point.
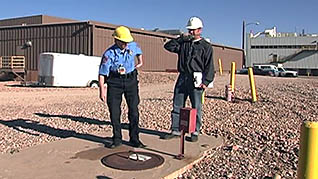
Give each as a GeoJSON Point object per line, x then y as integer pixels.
{"type": "Point", "coordinates": [195, 56]}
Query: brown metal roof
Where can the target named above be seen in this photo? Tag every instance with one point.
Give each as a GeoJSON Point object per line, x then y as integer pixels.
{"type": "Point", "coordinates": [35, 19]}
{"type": "Point", "coordinates": [133, 30]}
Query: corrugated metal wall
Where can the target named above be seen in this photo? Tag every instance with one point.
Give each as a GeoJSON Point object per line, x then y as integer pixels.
{"type": "Point", "coordinates": [71, 38]}
{"type": "Point", "coordinates": [154, 56]}
{"type": "Point", "coordinates": [102, 39]}
{"type": "Point", "coordinates": [265, 55]}
{"type": "Point", "coordinates": [92, 38]}
{"type": "Point", "coordinates": [227, 56]}
{"type": "Point", "coordinates": [304, 60]}
{"type": "Point", "coordinates": [261, 49]}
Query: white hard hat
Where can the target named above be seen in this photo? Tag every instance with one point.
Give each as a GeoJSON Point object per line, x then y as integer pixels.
{"type": "Point", "coordinates": [194, 23]}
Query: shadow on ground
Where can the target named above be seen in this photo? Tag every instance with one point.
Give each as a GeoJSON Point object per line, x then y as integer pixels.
{"type": "Point", "coordinates": [25, 125]}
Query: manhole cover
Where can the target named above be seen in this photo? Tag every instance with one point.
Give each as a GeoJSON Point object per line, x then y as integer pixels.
{"type": "Point", "coordinates": [132, 160]}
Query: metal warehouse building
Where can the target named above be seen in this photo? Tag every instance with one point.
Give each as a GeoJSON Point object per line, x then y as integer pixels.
{"type": "Point", "coordinates": [54, 34]}
{"type": "Point", "coordinates": [294, 51]}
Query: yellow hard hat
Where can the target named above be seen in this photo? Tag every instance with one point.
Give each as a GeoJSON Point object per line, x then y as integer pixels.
{"type": "Point", "coordinates": [122, 33]}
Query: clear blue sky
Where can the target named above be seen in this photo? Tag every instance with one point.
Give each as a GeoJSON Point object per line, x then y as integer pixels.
{"type": "Point", "coordinates": [222, 19]}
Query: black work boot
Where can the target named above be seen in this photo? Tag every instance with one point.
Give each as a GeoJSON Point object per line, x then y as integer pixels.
{"type": "Point", "coordinates": [137, 144]}
{"type": "Point", "coordinates": [194, 138]}
{"type": "Point", "coordinates": [170, 136]}
{"type": "Point", "coordinates": [115, 144]}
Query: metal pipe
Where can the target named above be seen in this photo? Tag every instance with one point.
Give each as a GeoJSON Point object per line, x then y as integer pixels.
{"type": "Point", "coordinates": [243, 44]}
{"type": "Point", "coordinates": [243, 39]}
{"type": "Point", "coordinates": [252, 84]}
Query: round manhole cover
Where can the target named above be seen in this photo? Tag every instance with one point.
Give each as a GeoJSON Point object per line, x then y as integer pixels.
{"type": "Point", "coordinates": [132, 160]}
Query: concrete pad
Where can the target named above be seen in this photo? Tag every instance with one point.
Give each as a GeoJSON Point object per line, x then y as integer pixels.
{"type": "Point", "coordinates": [76, 158]}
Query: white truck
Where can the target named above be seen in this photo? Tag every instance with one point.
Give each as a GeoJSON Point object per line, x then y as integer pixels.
{"type": "Point", "coordinates": [68, 70]}
{"type": "Point", "coordinates": [283, 72]}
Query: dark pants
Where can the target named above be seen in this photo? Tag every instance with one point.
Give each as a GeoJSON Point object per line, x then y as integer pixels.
{"type": "Point", "coordinates": [117, 85]}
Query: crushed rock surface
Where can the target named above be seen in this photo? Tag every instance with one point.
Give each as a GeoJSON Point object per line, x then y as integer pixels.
{"type": "Point", "coordinates": [261, 138]}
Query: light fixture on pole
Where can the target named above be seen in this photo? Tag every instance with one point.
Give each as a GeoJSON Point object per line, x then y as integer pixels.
{"type": "Point", "coordinates": [27, 45]}
{"type": "Point", "coordinates": [243, 36]}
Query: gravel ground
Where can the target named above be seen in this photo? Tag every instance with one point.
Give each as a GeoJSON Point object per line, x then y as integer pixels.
{"type": "Point", "coordinates": [261, 139]}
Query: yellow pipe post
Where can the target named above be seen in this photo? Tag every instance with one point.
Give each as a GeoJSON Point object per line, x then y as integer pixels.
{"type": "Point", "coordinates": [232, 76]}
{"type": "Point", "coordinates": [203, 97]}
{"type": "Point", "coordinates": [252, 84]}
{"type": "Point", "coordinates": [220, 67]}
{"type": "Point", "coordinates": [308, 155]}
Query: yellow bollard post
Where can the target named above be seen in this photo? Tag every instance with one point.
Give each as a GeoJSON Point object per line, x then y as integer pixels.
{"type": "Point", "coordinates": [203, 97]}
{"type": "Point", "coordinates": [232, 76]}
{"type": "Point", "coordinates": [308, 155]}
{"type": "Point", "coordinates": [220, 67]}
{"type": "Point", "coordinates": [252, 84]}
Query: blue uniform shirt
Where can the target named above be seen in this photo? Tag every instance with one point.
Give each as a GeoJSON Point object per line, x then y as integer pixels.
{"type": "Point", "coordinates": [114, 57]}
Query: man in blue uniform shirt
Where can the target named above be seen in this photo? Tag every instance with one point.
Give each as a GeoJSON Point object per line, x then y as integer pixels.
{"type": "Point", "coordinates": [118, 70]}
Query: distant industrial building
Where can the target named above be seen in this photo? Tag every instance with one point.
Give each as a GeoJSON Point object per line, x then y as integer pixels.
{"type": "Point", "coordinates": [294, 51]}
{"type": "Point", "coordinates": [24, 38]}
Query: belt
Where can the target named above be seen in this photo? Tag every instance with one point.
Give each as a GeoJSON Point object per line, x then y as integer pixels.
{"type": "Point", "coordinates": [114, 74]}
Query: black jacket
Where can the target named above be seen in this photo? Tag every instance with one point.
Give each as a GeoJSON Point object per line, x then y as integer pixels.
{"type": "Point", "coordinates": [193, 57]}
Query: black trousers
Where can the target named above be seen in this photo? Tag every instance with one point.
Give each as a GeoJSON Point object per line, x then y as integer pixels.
{"type": "Point", "coordinates": [117, 85]}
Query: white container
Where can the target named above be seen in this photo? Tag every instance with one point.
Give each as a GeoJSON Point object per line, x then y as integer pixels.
{"type": "Point", "coordinates": [68, 70]}
{"type": "Point", "coordinates": [197, 76]}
